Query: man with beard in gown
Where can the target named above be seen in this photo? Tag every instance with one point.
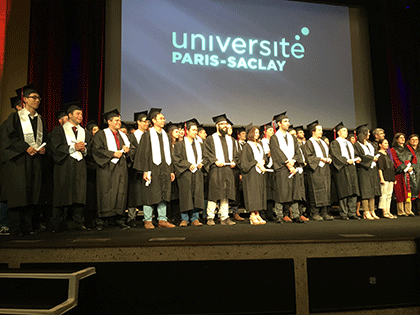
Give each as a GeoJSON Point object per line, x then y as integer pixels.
{"type": "Point", "coordinates": [220, 158]}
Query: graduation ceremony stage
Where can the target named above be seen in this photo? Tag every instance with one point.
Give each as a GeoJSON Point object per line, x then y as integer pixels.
{"type": "Point", "coordinates": [343, 267]}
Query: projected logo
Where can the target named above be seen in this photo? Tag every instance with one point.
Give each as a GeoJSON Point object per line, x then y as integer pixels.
{"type": "Point", "coordinates": [237, 53]}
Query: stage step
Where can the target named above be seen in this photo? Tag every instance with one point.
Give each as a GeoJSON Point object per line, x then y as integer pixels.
{"type": "Point", "coordinates": [46, 292]}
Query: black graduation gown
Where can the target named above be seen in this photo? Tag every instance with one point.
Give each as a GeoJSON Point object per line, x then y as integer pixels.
{"type": "Point", "coordinates": [288, 189]}
{"type": "Point", "coordinates": [22, 172]}
{"type": "Point", "coordinates": [160, 186]}
{"type": "Point", "coordinates": [70, 175]}
{"type": "Point", "coordinates": [190, 185]}
{"type": "Point", "coordinates": [111, 179]}
{"type": "Point", "coordinates": [136, 182]}
{"type": "Point", "coordinates": [271, 185]}
{"type": "Point", "coordinates": [253, 183]}
{"type": "Point", "coordinates": [369, 184]}
{"type": "Point", "coordinates": [221, 179]}
{"type": "Point", "coordinates": [319, 178]}
{"type": "Point", "coordinates": [174, 184]}
{"type": "Point", "coordinates": [345, 175]}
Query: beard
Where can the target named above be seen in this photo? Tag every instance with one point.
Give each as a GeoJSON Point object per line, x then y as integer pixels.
{"type": "Point", "coordinates": [223, 132]}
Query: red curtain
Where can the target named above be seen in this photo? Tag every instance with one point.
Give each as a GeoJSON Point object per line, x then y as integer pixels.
{"type": "Point", "coordinates": [66, 55]}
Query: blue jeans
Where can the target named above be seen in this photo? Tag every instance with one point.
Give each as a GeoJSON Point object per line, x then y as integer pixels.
{"type": "Point", "coordinates": [161, 210]}
{"type": "Point", "coordinates": [190, 215]}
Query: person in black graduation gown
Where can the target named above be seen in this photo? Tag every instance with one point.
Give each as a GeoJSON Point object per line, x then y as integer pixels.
{"type": "Point", "coordinates": [220, 158]}
{"type": "Point", "coordinates": [188, 163]}
{"type": "Point", "coordinates": [287, 161]}
{"type": "Point", "coordinates": [367, 172]}
{"type": "Point", "coordinates": [23, 137]}
{"type": "Point", "coordinates": [173, 211]}
{"type": "Point", "coordinates": [90, 210]}
{"type": "Point", "coordinates": [155, 161]}
{"type": "Point", "coordinates": [135, 179]}
{"type": "Point", "coordinates": [344, 173]}
{"type": "Point", "coordinates": [253, 170]}
{"type": "Point", "coordinates": [111, 151]}
{"type": "Point", "coordinates": [318, 173]}
{"type": "Point", "coordinates": [69, 149]}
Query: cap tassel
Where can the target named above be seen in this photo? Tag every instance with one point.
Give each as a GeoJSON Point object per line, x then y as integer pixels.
{"type": "Point", "coordinates": [265, 131]}
{"type": "Point", "coordinates": [273, 123]}
{"type": "Point", "coordinates": [335, 134]}
{"type": "Point", "coordinates": [185, 129]}
{"type": "Point", "coordinates": [355, 136]}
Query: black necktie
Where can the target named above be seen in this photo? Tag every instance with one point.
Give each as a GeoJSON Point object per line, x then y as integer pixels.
{"type": "Point", "coordinates": [285, 139]}
{"type": "Point", "coordinates": [195, 151]}
{"type": "Point", "coordinates": [348, 149]}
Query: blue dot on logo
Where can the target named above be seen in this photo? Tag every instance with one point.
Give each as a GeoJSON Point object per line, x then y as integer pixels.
{"type": "Point", "coordinates": [297, 37]}
{"type": "Point", "coordinates": [305, 31]}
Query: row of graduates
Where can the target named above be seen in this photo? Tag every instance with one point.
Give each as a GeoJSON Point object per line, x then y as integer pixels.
{"type": "Point", "coordinates": [272, 169]}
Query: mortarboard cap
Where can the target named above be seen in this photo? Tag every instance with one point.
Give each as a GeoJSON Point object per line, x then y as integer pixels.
{"type": "Point", "coordinates": [111, 114]}
{"type": "Point", "coordinates": [339, 126]}
{"type": "Point", "coordinates": [91, 124]}
{"type": "Point", "coordinates": [241, 129]}
{"type": "Point", "coordinates": [297, 128]}
{"type": "Point", "coordinates": [200, 127]}
{"type": "Point", "coordinates": [26, 90]}
{"type": "Point", "coordinates": [248, 127]}
{"type": "Point", "coordinates": [280, 117]}
{"type": "Point", "coordinates": [219, 118]}
{"type": "Point", "coordinates": [360, 129]}
{"type": "Point", "coordinates": [312, 125]}
{"type": "Point", "coordinates": [15, 101]}
{"type": "Point", "coordinates": [229, 121]}
{"type": "Point", "coordinates": [70, 107]}
{"type": "Point", "coordinates": [171, 126]}
{"type": "Point", "coordinates": [192, 122]}
{"type": "Point", "coordinates": [153, 113]}
{"type": "Point", "coordinates": [60, 113]}
{"type": "Point", "coordinates": [140, 115]}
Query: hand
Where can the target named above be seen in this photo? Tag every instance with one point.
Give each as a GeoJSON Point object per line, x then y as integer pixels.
{"type": "Point", "coordinates": [199, 166]}
{"type": "Point", "coordinates": [172, 177]}
{"type": "Point", "coordinates": [383, 182]}
{"type": "Point", "coordinates": [375, 159]}
{"type": "Point", "coordinates": [269, 153]}
{"type": "Point", "coordinates": [79, 146]}
{"type": "Point", "coordinates": [126, 149]}
{"type": "Point", "coordinates": [118, 154]}
{"type": "Point", "coordinates": [292, 170]}
{"type": "Point", "coordinates": [42, 151]}
{"type": "Point", "coordinates": [240, 177]}
{"type": "Point", "coordinates": [410, 170]}
{"type": "Point", "coordinates": [219, 164]}
{"type": "Point", "coordinates": [233, 165]}
{"type": "Point", "coordinates": [31, 151]}
{"type": "Point", "coordinates": [290, 164]}
{"type": "Point", "coordinates": [358, 161]}
{"type": "Point", "coordinates": [146, 176]}
{"type": "Point", "coordinates": [350, 161]}
{"type": "Point", "coordinates": [329, 160]}
{"type": "Point", "coordinates": [192, 167]}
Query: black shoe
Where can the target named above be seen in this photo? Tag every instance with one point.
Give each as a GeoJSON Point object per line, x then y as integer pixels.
{"type": "Point", "coordinates": [100, 227]}
{"type": "Point", "coordinates": [131, 223]}
{"type": "Point", "coordinates": [82, 228]}
{"type": "Point", "coordinates": [298, 220]}
{"type": "Point", "coordinates": [279, 220]}
{"type": "Point", "coordinates": [345, 218]}
{"type": "Point", "coordinates": [354, 217]}
{"type": "Point", "coordinates": [123, 226]}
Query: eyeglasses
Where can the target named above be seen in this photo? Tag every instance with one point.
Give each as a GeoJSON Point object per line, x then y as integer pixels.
{"type": "Point", "coordinates": [35, 97]}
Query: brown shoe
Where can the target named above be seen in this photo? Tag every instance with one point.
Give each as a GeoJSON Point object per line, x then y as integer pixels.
{"type": "Point", "coordinates": [237, 217]}
{"type": "Point", "coordinates": [287, 219]}
{"type": "Point", "coordinates": [183, 223]}
{"type": "Point", "coordinates": [196, 223]}
{"type": "Point", "coordinates": [210, 222]}
{"type": "Point", "coordinates": [303, 218]}
{"type": "Point", "coordinates": [165, 224]}
{"type": "Point", "coordinates": [227, 222]}
{"type": "Point", "coordinates": [148, 225]}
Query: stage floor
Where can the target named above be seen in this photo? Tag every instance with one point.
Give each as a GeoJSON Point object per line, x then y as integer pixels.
{"type": "Point", "coordinates": [402, 228]}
